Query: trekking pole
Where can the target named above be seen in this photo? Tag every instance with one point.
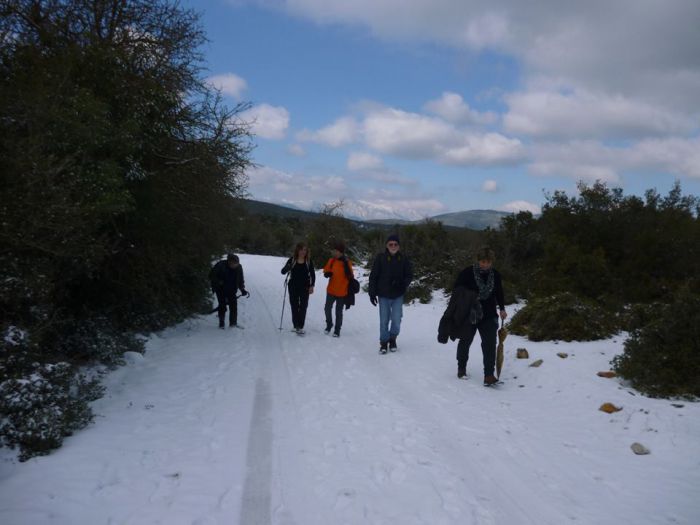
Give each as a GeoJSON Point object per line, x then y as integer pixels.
{"type": "Point", "coordinates": [284, 299]}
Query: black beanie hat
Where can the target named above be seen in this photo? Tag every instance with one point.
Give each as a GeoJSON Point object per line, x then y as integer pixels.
{"type": "Point", "coordinates": [393, 237]}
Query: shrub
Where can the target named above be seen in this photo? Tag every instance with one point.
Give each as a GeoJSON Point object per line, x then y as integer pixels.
{"type": "Point", "coordinates": [563, 317]}
{"type": "Point", "coordinates": [418, 290]}
{"type": "Point", "coordinates": [662, 359]}
{"type": "Point", "coordinates": [42, 408]}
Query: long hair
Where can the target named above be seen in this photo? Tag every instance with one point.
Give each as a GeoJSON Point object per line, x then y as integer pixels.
{"type": "Point", "coordinates": [300, 246]}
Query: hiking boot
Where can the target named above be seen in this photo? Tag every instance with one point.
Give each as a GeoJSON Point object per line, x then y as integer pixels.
{"type": "Point", "coordinates": [328, 329]}
{"type": "Point", "coordinates": [461, 372]}
{"type": "Point", "coordinates": [300, 331]}
{"type": "Point", "coordinates": [392, 345]}
{"type": "Point", "coordinates": [490, 380]}
{"type": "Point", "coordinates": [221, 323]}
{"type": "Point", "coordinates": [383, 347]}
{"type": "Point", "coordinates": [336, 334]}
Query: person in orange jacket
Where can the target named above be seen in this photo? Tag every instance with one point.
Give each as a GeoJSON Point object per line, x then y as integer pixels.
{"type": "Point", "coordinates": [338, 271]}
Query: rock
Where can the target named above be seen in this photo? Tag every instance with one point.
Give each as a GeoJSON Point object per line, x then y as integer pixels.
{"type": "Point", "coordinates": [677, 405]}
{"type": "Point", "coordinates": [537, 363]}
{"type": "Point", "coordinates": [563, 355]}
{"type": "Point", "coordinates": [640, 449]}
{"type": "Point", "coordinates": [522, 354]}
{"type": "Point", "coordinates": [607, 374]}
{"type": "Point", "coordinates": [609, 408]}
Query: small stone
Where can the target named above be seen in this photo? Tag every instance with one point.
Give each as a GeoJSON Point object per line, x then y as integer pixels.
{"type": "Point", "coordinates": [521, 353]}
{"type": "Point", "coordinates": [677, 405]}
{"type": "Point", "coordinates": [609, 408]}
{"type": "Point", "coordinates": [563, 355]}
{"type": "Point", "coordinates": [640, 449]}
{"type": "Point", "coordinates": [537, 363]}
{"type": "Point", "coordinates": [607, 374]}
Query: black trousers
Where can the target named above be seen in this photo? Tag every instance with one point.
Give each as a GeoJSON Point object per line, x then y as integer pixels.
{"type": "Point", "coordinates": [227, 298]}
{"type": "Point", "coordinates": [339, 305]}
{"type": "Point", "coordinates": [488, 330]}
{"type": "Point", "coordinates": [298, 301]}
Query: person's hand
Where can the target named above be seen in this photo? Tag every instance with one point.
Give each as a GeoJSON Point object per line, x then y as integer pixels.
{"type": "Point", "coordinates": [311, 290]}
{"type": "Point", "coordinates": [328, 274]}
{"type": "Point", "coordinates": [373, 300]}
{"type": "Point", "coordinates": [245, 293]}
{"type": "Point", "coordinates": [503, 314]}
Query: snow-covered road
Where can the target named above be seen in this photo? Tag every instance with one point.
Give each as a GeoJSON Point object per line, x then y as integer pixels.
{"type": "Point", "coordinates": [261, 426]}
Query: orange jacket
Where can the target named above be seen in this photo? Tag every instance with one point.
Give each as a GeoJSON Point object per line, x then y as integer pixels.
{"type": "Point", "coordinates": [338, 283]}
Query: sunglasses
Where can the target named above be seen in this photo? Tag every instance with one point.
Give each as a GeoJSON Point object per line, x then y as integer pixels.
{"type": "Point", "coordinates": [392, 244]}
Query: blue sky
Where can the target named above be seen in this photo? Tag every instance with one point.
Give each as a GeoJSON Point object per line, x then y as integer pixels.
{"type": "Point", "coordinates": [411, 108]}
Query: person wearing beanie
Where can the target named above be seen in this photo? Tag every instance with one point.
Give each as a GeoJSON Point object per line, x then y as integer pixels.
{"type": "Point", "coordinates": [338, 271]}
{"type": "Point", "coordinates": [389, 279]}
{"type": "Point", "coordinates": [226, 278]}
{"type": "Point", "coordinates": [482, 279]}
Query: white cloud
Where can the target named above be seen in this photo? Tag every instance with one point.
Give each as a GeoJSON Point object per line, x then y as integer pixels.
{"type": "Point", "coordinates": [229, 84]}
{"type": "Point", "coordinates": [491, 148]}
{"type": "Point", "coordinates": [342, 132]}
{"type": "Point", "coordinates": [269, 122]}
{"type": "Point", "coordinates": [453, 108]}
{"type": "Point", "coordinates": [296, 149]}
{"type": "Point", "coordinates": [518, 206]}
{"type": "Point", "coordinates": [489, 186]}
{"type": "Point", "coordinates": [585, 114]}
{"type": "Point", "coordinates": [360, 161]}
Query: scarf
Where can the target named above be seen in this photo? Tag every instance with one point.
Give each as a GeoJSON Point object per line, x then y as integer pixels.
{"type": "Point", "coordinates": [485, 287]}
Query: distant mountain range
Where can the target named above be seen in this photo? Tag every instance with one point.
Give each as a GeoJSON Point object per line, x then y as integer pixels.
{"type": "Point", "coordinates": [472, 219]}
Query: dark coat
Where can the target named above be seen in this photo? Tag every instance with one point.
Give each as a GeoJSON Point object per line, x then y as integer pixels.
{"type": "Point", "coordinates": [493, 302]}
{"type": "Point", "coordinates": [455, 322]}
{"type": "Point", "coordinates": [302, 276]}
{"type": "Point", "coordinates": [226, 279]}
{"type": "Point", "coordinates": [390, 276]}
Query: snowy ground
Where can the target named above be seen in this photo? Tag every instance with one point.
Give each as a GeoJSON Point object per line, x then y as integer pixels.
{"type": "Point", "coordinates": [261, 426]}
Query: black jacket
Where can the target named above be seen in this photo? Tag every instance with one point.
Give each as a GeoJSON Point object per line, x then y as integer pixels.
{"type": "Point", "coordinates": [225, 279]}
{"type": "Point", "coordinates": [455, 322]}
{"type": "Point", "coordinates": [390, 276]}
{"type": "Point", "coordinates": [302, 276]}
{"type": "Point", "coordinates": [493, 302]}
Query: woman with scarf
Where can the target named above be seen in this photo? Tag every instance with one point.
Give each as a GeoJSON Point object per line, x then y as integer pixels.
{"type": "Point", "coordinates": [482, 279]}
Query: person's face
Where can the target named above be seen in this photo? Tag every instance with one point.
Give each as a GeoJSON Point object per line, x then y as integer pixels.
{"type": "Point", "coordinates": [233, 265]}
{"type": "Point", "coordinates": [485, 265]}
{"type": "Point", "coordinates": [336, 253]}
{"type": "Point", "coordinates": [302, 252]}
{"type": "Point", "coordinates": [393, 247]}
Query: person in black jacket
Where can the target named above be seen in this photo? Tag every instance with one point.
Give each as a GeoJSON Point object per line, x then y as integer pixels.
{"type": "Point", "coordinates": [226, 279]}
{"type": "Point", "coordinates": [388, 281]}
{"type": "Point", "coordinates": [302, 278]}
{"type": "Point", "coordinates": [485, 281]}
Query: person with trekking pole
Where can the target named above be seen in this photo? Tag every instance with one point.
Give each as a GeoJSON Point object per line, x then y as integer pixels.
{"type": "Point", "coordinates": [226, 278]}
{"type": "Point", "coordinates": [300, 281]}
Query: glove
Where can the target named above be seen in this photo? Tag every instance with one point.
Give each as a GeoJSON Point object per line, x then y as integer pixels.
{"type": "Point", "coordinates": [245, 293]}
{"type": "Point", "coordinates": [328, 274]}
{"type": "Point", "coordinates": [373, 300]}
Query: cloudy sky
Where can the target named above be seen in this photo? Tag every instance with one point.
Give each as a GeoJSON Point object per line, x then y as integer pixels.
{"type": "Point", "coordinates": [418, 107]}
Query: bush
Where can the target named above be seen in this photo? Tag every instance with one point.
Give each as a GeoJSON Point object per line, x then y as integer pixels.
{"type": "Point", "coordinates": [563, 317]}
{"type": "Point", "coordinates": [662, 359]}
{"type": "Point", "coordinates": [49, 403]}
{"type": "Point", "coordinates": [418, 290]}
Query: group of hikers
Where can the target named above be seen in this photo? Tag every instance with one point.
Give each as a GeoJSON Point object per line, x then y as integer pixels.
{"type": "Point", "coordinates": [476, 303]}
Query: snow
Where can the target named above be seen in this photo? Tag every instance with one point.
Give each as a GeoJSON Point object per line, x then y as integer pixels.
{"type": "Point", "coordinates": [261, 426]}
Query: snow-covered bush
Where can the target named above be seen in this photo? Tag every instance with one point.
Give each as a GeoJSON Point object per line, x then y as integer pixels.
{"type": "Point", "coordinates": [563, 317]}
{"type": "Point", "coordinates": [97, 340]}
{"type": "Point", "coordinates": [39, 410]}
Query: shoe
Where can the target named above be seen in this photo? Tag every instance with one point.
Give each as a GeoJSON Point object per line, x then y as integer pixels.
{"type": "Point", "coordinates": [221, 324]}
{"type": "Point", "coordinates": [300, 331]}
{"type": "Point", "coordinates": [383, 347]}
{"type": "Point", "coordinates": [328, 329]}
{"type": "Point", "coordinates": [336, 334]}
{"type": "Point", "coordinates": [490, 380]}
{"type": "Point", "coordinates": [461, 372]}
{"type": "Point", "coordinates": [392, 345]}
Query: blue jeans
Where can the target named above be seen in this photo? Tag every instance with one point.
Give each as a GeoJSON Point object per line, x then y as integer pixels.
{"type": "Point", "coordinates": [390, 310]}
